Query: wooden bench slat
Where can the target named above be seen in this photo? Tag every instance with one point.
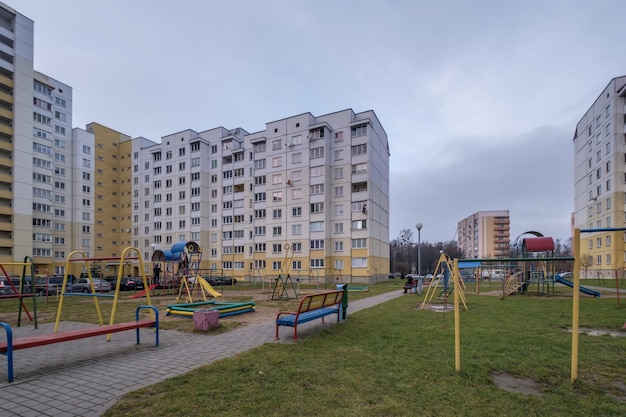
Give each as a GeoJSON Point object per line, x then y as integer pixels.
{"type": "Point", "coordinates": [48, 339]}
{"type": "Point", "coordinates": [311, 307]}
{"type": "Point", "coordinates": [11, 344]}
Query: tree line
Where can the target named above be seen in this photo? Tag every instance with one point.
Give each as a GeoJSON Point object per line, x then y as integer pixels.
{"type": "Point", "coordinates": [403, 257]}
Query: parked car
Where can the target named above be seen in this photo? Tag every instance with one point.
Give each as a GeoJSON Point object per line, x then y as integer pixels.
{"type": "Point", "coordinates": [52, 285]}
{"type": "Point", "coordinates": [131, 284]}
{"type": "Point", "coordinates": [7, 289]}
{"type": "Point", "coordinates": [111, 279]}
{"type": "Point", "coordinates": [83, 285]}
{"type": "Point", "coordinates": [221, 281]}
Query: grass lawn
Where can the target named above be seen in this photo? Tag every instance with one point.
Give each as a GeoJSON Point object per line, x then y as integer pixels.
{"type": "Point", "coordinates": [395, 360]}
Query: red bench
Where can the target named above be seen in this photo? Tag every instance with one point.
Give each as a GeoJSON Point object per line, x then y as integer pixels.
{"type": "Point", "coordinates": [312, 307]}
{"type": "Point", "coordinates": [10, 345]}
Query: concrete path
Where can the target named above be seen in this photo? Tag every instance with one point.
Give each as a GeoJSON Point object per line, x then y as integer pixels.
{"type": "Point", "coordinates": [86, 377]}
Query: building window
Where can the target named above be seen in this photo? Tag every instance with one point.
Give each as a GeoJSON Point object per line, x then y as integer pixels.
{"type": "Point", "coordinates": [316, 171]}
{"type": "Point", "coordinates": [359, 243]}
{"type": "Point", "coordinates": [317, 207]}
{"type": "Point", "coordinates": [317, 263]}
{"type": "Point", "coordinates": [317, 153]}
{"type": "Point", "coordinates": [359, 169]}
{"type": "Point", "coordinates": [359, 262]}
{"type": "Point", "coordinates": [316, 226]}
{"type": "Point", "coordinates": [359, 224]}
{"type": "Point", "coordinates": [316, 133]}
{"type": "Point", "coordinates": [317, 244]}
{"type": "Point", "coordinates": [359, 149]}
{"type": "Point", "coordinates": [317, 189]}
{"type": "Point", "coordinates": [259, 147]}
{"type": "Point", "coordinates": [359, 130]}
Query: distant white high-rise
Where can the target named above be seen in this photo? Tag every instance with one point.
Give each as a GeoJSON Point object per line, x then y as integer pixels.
{"type": "Point", "coordinates": [600, 181]}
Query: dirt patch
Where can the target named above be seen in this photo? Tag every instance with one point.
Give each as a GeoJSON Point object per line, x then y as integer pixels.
{"type": "Point", "coordinates": [516, 384]}
{"type": "Point", "coordinates": [618, 392]}
{"type": "Point", "coordinates": [600, 332]}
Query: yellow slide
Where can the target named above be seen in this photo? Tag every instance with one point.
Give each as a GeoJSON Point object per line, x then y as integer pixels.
{"type": "Point", "coordinates": [207, 287]}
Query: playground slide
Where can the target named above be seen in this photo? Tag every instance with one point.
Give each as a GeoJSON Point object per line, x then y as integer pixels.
{"type": "Point", "coordinates": [143, 293]}
{"type": "Point", "coordinates": [571, 284]}
{"type": "Point", "coordinates": [207, 287]}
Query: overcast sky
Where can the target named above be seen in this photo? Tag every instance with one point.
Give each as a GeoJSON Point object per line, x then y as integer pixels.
{"type": "Point", "coordinates": [480, 99]}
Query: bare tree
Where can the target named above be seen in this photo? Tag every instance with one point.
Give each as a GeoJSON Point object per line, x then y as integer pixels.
{"type": "Point", "coordinates": [586, 261]}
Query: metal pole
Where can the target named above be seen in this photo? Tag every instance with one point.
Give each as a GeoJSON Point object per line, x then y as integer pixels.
{"type": "Point", "coordinates": [419, 226]}
{"type": "Point", "coordinates": [575, 305]}
{"type": "Point", "coordinates": [419, 253]}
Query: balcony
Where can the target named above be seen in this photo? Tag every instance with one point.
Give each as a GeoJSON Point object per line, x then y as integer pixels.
{"type": "Point", "coordinates": [6, 145]}
{"type": "Point", "coordinates": [6, 130]}
{"type": "Point", "coordinates": [5, 97]}
{"type": "Point", "coordinates": [6, 81]}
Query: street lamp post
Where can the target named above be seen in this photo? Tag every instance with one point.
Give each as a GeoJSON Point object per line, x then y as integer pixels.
{"type": "Point", "coordinates": [419, 226]}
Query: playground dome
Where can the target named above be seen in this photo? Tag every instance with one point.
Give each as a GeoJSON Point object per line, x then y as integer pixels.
{"type": "Point", "coordinates": [179, 247]}
{"type": "Point", "coordinates": [538, 244]}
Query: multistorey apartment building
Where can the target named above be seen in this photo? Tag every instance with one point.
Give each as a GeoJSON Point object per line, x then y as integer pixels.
{"type": "Point", "coordinates": [600, 182]}
{"type": "Point", "coordinates": [485, 234]}
{"type": "Point", "coordinates": [16, 133]}
{"type": "Point", "coordinates": [308, 195]}
{"type": "Point", "coordinates": [53, 173]}
{"type": "Point", "coordinates": [35, 152]}
{"type": "Point", "coordinates": [312, 192]}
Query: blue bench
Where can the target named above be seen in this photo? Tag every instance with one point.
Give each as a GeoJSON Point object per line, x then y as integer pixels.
{"type": "Point", "coordinates": [311, 307]}
{"type": "Point", "coordinates": [7, 348]}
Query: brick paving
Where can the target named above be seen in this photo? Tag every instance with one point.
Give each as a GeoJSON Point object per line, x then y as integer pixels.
{"type": "Point", "coordinates": [86, 377]}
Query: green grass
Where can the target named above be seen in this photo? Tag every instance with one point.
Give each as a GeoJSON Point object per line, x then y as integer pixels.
{"type": "Point", "coordinates": [606, 283]}
{"type": "Point", "coordinates": [395, 360]}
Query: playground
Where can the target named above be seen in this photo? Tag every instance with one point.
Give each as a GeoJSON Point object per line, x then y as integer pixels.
{"type": "Point", "coordinates": [515, 354]}
{"type": "Point", "coordinates": [515, 343]}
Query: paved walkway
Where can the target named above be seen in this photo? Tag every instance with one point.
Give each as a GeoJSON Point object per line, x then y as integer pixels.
{"type": "Point", "coordinates": [86, 377]}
